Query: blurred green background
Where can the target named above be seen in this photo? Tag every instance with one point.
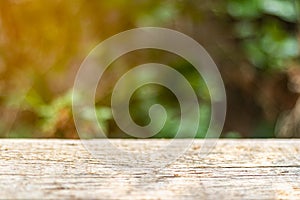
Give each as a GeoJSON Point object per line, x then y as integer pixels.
{"type": "Point", "coordinates": [255, 44]}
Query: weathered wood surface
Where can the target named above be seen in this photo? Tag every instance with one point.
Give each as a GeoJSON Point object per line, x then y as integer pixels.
{"type": "Point", "coordinates": [235, 169]}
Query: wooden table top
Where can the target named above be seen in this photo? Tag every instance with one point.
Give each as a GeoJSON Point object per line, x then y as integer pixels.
{"type": "Point", "coordinates": [234, 169]}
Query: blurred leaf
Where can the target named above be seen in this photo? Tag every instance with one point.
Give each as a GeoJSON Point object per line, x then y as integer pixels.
{"type": "Point", "coordinates": [233, 135]}
{"type": "Point", "coordinates": [244, 9]}
{"type": "Point", "coordinates": [245, 29]}
{"type": "Point", "coordinates": [285, 9]}
{"type": "Point", "coordinates": [158, 15]}
{"type": "Point", "coordinates": [205, 114]}
{"type": "Point", "coordinates": [255, 53]}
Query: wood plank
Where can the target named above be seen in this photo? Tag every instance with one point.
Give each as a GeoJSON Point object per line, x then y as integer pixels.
{"type": "Point", "coordinates": [235, 169]}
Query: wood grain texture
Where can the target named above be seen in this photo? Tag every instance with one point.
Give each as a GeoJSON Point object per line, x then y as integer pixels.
{"type": "Point", "coordinates": [235, 169]}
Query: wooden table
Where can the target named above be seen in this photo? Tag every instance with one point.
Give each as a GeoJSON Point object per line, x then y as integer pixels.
{"type": "Point", "coordinates": [235, 169]}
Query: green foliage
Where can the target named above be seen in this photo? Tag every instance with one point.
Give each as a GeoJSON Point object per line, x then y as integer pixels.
{"type": "Point", "coordinates": [41, 48]}
{"type": "Point", "coordinates": [261, 25]}
{"type": "Point", "coordinates": [244, 9]}
{"type": "Point", "coordinates": [253, 9]}
{"type": "Point", "coordinates": [233, 135]}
